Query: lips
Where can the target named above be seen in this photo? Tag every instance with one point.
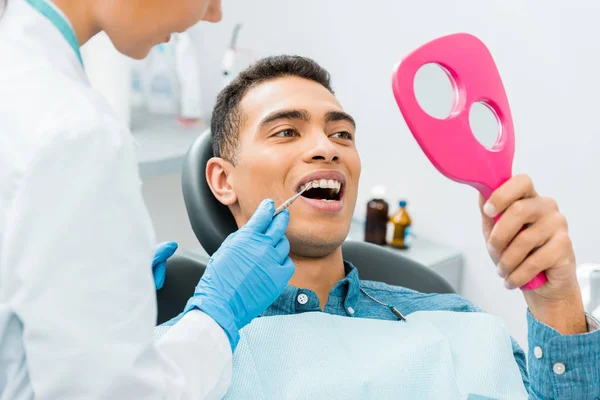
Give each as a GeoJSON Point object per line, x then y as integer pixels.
{"type": "Point", "coordinates": [326, 190]}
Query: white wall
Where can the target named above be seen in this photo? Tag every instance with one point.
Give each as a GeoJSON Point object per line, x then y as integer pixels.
{"type": "Point", "coordinates": [547, 53]}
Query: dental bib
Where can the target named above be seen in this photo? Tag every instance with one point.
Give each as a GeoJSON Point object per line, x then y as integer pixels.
{"type": "Point", "coordinates": [434, 355]}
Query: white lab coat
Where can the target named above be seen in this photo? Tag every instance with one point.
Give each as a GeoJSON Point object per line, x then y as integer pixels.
{"type": "Point", "coordinates": [77, 299]}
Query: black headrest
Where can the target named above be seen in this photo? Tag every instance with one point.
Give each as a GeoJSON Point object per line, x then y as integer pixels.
{"type": "Point", "coordinates": [211, 221]}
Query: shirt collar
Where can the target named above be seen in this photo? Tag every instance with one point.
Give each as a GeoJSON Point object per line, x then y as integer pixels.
{"type": "Point", "coordinates": [295, 300]}
{"type": "Point", "coordinates": [348, 288]}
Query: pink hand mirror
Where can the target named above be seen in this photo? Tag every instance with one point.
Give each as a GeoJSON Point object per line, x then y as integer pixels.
{"type": "Point", "coordinates": [449, 143]}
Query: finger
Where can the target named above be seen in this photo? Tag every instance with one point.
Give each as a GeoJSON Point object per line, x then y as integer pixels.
{"type": "Point", "coordinates": [282, 250]}
{"type": "Point", "coordinates": [262, 217]}
{"type": "Point", "coordinates": [517, 187]}
{"type": "Point", "coordinates": [519, 214]}
{"type": "Point", "coordinates": [278, 226]}
{"type": "Point", "coordinates": [528, 240]}
{"type": "Point", "coordinates": [163, 251]}
{"type": "Point", "coordinates": [549, 255]}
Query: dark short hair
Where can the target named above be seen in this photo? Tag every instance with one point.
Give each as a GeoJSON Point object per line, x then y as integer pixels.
{"type": "Point", "coordinates": [227, 118]}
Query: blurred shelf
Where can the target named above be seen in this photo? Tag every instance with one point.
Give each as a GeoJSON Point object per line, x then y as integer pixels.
{"type": "Point", "coordinates": [445, 260]}
{"type": "Point", "coordinates": [161, 143]}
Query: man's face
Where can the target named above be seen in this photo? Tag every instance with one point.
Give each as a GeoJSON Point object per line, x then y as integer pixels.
{"type": "Point", "coordinates": [295, 132]}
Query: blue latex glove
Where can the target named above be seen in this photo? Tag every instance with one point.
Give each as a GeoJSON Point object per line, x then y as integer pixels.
{"type": "Point", "coordinates": [159, 264]}
{"type": "Point", "coordinates": [247, 273]}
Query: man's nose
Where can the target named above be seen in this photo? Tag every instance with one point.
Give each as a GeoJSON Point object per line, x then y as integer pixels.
{"type": "Point", "coordinates": [322, 149]}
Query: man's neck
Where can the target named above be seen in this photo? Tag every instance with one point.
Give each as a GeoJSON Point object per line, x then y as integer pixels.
{"type": "Point", "coordinates": [80, 15]}
{"type": "Point", "coordinates": [318, 274]}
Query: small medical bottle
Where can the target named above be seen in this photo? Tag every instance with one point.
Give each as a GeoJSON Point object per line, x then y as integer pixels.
{"type": "Point", "coordinates": [399, 228]}
{"type": "Point", "coordinates": [377, 217]}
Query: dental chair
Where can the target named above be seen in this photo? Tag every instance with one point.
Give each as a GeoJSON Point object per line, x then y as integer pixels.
{"type": "Point", "coordinates": [212, 223]}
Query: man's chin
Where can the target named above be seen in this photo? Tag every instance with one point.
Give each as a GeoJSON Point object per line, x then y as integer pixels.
{"type": "Point", "coordinates": [314, 247]}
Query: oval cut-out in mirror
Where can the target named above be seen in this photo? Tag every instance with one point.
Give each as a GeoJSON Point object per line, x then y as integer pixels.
{"type": "Point", "coordinates": [434, 90]}
{"type": "Point", "coordinates": [485, 124]}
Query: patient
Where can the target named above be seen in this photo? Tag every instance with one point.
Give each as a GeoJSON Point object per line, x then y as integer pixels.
{"type": "Point", "coordinates": [279, 126]}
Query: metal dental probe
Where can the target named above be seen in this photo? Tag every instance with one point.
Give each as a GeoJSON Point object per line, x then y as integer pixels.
{"type": "Point", "coordinates": [289, 201]}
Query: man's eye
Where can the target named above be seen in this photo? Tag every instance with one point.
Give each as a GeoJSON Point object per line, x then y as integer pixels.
{"type": "Point", "coordinates": [342, 135]}
{"type": "Point", "coordinates": [287, 133]}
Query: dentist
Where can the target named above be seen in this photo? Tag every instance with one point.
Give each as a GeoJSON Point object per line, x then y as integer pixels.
{"type": "Point", "coordinates": [77, 296]}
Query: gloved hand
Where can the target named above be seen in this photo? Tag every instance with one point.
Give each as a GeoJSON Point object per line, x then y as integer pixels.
{"type": "Point", "coordinates": [247, 273]}
{"type": "Point", "coordinates": [159, 264]}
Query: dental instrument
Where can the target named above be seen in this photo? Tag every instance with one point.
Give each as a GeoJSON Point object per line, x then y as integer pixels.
{"type": "Point", "coordinates": [292, 199]}
{"type": "Point", "coordinates": [449, 143]}
{"type": "Point", "coordinates": [393, 309]}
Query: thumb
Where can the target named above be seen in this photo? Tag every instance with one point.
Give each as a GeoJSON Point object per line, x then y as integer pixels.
{"type": "Point", "coordinates": [487, 223]}
{"type": "Point", "coordinates": [262, 217]}
{"type": "Point", "coordinates": [277, 227]}
{"type": "Point", "coordinates": [163, 251]}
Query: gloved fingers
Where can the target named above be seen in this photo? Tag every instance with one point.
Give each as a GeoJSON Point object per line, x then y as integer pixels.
{"type": "Point", "coordinates": [262, 217]}
{"type": "Point", "coordinates": [159, 271]}
{"type": "Point", "coordinates": [276, 230]}
{"type": "Point", "coordinates": [163, 251]}
{"type": "Point", "coordinates": [282, 249]}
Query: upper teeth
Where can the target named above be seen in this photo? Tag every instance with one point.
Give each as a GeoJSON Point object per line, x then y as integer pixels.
{"type": "Point", "coordinates": [324, 184]}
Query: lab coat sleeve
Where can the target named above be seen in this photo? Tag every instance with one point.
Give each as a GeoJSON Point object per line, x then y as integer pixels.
{"type": "Point", "coordinates": [183, 336]}
{"type": "Point", "coordinates": [80, 243]}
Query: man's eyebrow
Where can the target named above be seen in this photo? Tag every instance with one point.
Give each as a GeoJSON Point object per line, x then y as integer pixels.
{"type": "Point", "coordinates": [302, 115]}
{"type": "Point", "coordinates": [333, 116]}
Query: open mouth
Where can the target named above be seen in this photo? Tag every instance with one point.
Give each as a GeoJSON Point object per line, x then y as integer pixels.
{"type": "Point", "coordinates": [323, 189]}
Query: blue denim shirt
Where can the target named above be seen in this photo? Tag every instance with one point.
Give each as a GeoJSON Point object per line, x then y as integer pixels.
{"type": "Point", "coordinates": [562, 367]}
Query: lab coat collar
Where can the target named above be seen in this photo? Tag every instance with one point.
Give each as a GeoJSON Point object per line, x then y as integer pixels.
{"type": "Point", "coordinates": [37, 33]}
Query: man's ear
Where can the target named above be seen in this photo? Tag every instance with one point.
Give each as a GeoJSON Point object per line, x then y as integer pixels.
{"type": "Point", "coordinates": [220, 180]}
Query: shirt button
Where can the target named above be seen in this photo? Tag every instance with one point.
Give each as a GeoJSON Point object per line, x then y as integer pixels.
{"type": "Point", "coordinates": [537, 352]}
{"type": "Point", "coordinates": [558, 368]}
{"type": "Point", "coordinates": [350, 310]}
{"type": "Point", "coordinates": [302, 298]}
